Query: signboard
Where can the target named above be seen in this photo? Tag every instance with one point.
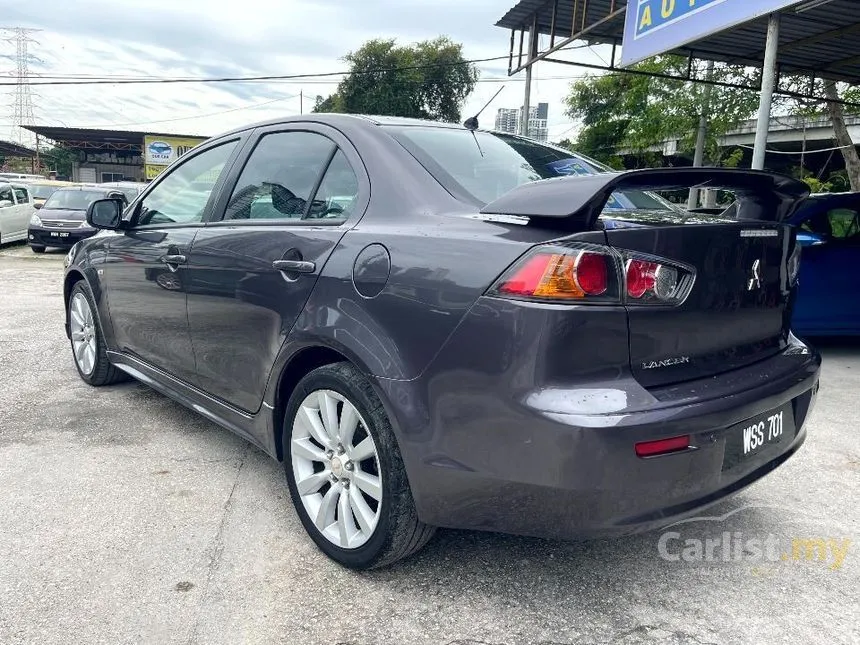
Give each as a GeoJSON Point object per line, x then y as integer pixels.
{"type": "Point", "coordinates": [654, 27]}
{"type": "Point", "coordinates": [160, 151]}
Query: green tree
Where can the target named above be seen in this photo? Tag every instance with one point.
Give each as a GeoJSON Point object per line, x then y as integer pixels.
{"type": "Point", "coordinates": [427, 80]}
{"type": "Point", "coordinates": [59, 159]}
{"type": "Point", "coordinates": [634, 113]}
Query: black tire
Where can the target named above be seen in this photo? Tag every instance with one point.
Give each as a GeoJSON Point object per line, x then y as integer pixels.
{"type": "Point", "coordinates": [37, 249]}
{"type": "Point", "coordinates": [398, 532]}
{"type": "Point", "coordinates": [103, 372]}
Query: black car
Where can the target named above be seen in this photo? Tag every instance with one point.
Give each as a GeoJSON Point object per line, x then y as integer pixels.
{"type": "Point", "coordinates": [430, 327]}
{"type": "Point", "coordinates": [61, 220]}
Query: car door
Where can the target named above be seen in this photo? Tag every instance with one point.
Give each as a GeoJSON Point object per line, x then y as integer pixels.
{"type": "Point", "coordinates": [253, 270]}
{"type": "Point", "coordinates": [828, 295]}
{"type": "Point", "coordinates": [145, 271]}
{"type": "Point", "coordinates": [7, 213]}
{"type": "Point", "coordinates": [23, 210]}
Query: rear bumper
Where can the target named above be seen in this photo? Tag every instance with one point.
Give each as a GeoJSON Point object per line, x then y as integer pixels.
{"type": "Point", "coordinates": [499, 454]}
{"type": "Point", "coordinates": [58, 238]}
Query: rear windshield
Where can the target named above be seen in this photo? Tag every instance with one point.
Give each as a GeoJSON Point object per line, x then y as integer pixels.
{"type": "Point", "coordinates": [489, 164]}
{"type": "Point", "coordinates": [73, 200]}
{"type": "Point", "coordinates": [42, 192]}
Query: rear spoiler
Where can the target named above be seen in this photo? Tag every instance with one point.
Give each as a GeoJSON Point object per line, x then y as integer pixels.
{"type": "Point", "coordinates": [575, 202]}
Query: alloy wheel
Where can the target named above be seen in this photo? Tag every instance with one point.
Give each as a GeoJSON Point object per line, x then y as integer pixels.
{"type": "Point", "coordinates": [83, 330]}
{"type": "Point", "coordinates": [336, 468]}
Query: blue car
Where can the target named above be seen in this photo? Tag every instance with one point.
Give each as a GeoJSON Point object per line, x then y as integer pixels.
{"type": "Point", "coordinates": [828, 291]}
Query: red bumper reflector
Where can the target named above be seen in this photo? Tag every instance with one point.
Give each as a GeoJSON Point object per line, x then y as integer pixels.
{"type": "Point", "coordinates": [662, 446]}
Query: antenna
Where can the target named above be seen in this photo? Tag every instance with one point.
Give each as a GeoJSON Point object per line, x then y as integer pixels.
{"type": "Point", "coordinates": [472, 122]}
{"type": "Point", "coordinates": [22, 105]}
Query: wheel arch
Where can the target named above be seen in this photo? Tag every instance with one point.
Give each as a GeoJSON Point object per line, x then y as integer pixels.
{"type": "Point", "coordinates": [71, 279]}
{"type": "Point", "coordinates": [300, 363]}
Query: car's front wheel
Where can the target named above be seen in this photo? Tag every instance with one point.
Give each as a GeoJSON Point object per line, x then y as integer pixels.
{"type": "Point", "coordinates": [88, 344]}
{"type": "Point", "coordinates": [345, 473]}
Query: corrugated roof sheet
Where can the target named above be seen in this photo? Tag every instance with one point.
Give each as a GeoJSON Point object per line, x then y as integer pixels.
{"type": "Point", "coordinates": [824, 39]}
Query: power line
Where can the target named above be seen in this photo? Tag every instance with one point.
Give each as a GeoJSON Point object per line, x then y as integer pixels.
{"type": "Point", "coordinates": [86, 79]}
{"type": "Point", "coordinates": [249, 79]}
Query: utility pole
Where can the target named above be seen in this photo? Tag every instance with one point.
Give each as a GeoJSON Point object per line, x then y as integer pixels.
{"type": "Point", "coordinates": [301, 102]}
{"type": "Point", "coordinates": [533, 47]}
{"type": "Point", "coordinates": [768, 81]}
{"type": "Point", "coordinates": [699, 154]}
{"type": "Point", "coordinates": [22, 105]}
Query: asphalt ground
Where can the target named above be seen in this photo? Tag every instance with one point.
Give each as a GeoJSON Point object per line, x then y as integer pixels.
{"type": "Point", "coordinates": [125, 518]}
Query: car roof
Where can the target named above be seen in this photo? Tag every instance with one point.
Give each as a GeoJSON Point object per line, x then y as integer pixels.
{"type": "Point", "coordinates": [347, 120]}
{"type": "Point", "coordinates": [89, 187]}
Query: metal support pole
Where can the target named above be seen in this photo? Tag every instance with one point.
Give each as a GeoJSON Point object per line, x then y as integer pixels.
{"type": "Point", "coordinates": [768, 78]}
{"type": "Point", "coordinates": [699, 154]}
{"type": "Point", "coordinates": [524, 117]}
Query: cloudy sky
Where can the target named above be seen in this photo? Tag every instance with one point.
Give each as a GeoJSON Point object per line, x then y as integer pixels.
{"type": "Point", "coordinates": [194, 38]}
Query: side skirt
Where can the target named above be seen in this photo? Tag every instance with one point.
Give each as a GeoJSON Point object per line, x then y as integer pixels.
{"type": "Point", "coordinates": [256, 428]}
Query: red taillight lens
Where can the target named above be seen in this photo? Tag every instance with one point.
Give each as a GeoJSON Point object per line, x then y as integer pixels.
{"type": "Point", "coordinates": [560, 273]}
{"type": "Point", "coordinates": [641, 276]}
{"type": "Point", "coordinates": [651, 281]}
{"type": "Point", "coordinates": [662, 446]}
{"type": "Point", "coordinates": [591, 273]}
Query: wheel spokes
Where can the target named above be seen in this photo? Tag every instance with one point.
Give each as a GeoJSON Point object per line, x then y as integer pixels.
{"type": "Point", "coordinates": [342, 501]}
{"type": "Point", "coordinates": [328, 412]}
{"type": "Point", "coordinates": [313, 425]}
{"type": "Point", "coordinates": [345, 524]}
{"type": "Point", "coordinates": [325, 514]}
{"type": "Point", "coordinates": [306, 450]}
{"type": "Point", "coordinates": [364, 450]}
{"type": "Point", "coordinates": [363, 513]}
{"type": "Point", "coordinates": [312, 483]}
{"type": "Point", "coordinates": [370, 484]}
{"type": "Point", "coordinates": [348, 424]}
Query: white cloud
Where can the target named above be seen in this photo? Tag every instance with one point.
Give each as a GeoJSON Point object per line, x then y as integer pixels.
{"type": "Point", "coordinates": [193, 38]}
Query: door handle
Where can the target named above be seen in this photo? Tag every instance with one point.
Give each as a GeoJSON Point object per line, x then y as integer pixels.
{"type": "Point", "coordinates": [294, 266]}
{"type": "Point", "coordinates": [172, 261]}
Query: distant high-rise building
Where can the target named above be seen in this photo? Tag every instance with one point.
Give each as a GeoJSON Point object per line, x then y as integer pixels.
{"type": "Point", "coordinates": [508, 120]}
{"type": "Point", "coordinates": [538, 116]}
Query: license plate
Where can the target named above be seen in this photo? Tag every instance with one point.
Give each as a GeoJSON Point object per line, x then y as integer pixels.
{"type": "Point", "coordinates": [752, 437]}
{"type": "Point", "coordinates": [55, 234]}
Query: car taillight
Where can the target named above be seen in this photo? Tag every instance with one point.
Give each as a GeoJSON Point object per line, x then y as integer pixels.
{"type": "Point", "coordinates": [591, 274]}
{"type": "Point", "coordinates": [562, 273]}
{"type": "Point", "coordinates": [654, 281]}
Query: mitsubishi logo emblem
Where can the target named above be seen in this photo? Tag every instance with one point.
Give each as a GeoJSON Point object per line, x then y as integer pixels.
{"type": "Point", "coordinates": [755, 280]}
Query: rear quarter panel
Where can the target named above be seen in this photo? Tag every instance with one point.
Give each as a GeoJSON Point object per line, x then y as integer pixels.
{"type": "Point", "coordinates": [440, 265]}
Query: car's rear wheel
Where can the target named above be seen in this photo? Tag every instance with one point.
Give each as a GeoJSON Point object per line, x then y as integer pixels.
{"type": "Point", "coordinates": [88, 345]}
{"type": "Point", "coordinates": [37, 249]}
{"type": "Point", "coordinates": [345, 472]}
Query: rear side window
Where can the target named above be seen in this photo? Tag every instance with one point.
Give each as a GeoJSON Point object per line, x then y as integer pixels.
{"type": "Point", "coordinates": [338, 191]}
{"type": "Point", "coordinates": [486, 165]}
{"type": "Point", "coordinates": [21, 195]}
{"type": "Point", "coordinates": [836, 224]}
{"type": "Point", "coordinates": [280, 177]}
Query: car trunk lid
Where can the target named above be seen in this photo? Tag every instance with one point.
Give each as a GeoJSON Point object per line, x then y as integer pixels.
{"type": "Point", "coordinates": [734, 272]}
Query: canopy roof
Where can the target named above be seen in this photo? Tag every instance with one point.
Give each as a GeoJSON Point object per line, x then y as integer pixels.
{"type": "Point", "coordinates": [822, 40]}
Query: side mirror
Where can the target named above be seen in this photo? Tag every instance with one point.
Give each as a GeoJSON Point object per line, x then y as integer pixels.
{"type": "Point", "coordinates": [105, 213]}
{"type": "Point", "coordinates": [805, 239]}
{"type": "Point", "coordinates": [38, 205]}
{"type": "Point", "coordinates": [4, 203]}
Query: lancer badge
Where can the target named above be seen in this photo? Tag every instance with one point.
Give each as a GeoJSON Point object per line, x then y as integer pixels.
{"type": "Point", "coordinates": [755, 280]}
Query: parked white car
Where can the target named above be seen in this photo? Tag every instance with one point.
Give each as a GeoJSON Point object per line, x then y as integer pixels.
{"type": "Point", "coordinates": [16, 207]}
